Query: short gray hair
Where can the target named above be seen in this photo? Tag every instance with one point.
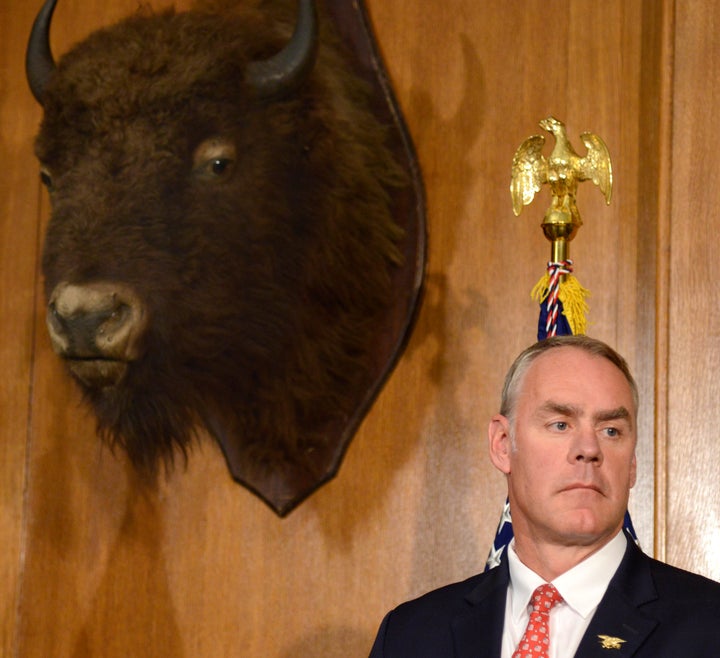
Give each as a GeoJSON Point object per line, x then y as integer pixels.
{"type": "Point", "coordinates": [592, 346]}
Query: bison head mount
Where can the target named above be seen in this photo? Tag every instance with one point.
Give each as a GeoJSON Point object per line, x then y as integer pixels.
{"type": "Point", "coordinates": [237, 235]}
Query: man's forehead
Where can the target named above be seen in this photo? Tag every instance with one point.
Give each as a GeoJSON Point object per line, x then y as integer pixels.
{"type": "Point", "coordinates": [572, 372]}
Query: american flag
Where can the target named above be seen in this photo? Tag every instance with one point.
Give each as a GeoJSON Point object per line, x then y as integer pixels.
{"type": "Point", "coordinates": [562, 313]}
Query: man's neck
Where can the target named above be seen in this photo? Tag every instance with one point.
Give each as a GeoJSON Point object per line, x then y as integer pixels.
{"type": "Point", "coordinates": [551, 559]}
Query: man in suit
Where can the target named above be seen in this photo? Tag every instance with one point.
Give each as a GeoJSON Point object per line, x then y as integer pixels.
{"type": "Point", "coordinates": [565, 439]}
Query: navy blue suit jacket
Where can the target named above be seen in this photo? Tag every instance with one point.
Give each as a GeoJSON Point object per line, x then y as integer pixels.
{"type": "Point", "coordinates": [660, 611]}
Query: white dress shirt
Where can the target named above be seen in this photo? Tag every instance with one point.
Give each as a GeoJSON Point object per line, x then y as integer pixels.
{"type": "Point", "coordinates": [582, 588]}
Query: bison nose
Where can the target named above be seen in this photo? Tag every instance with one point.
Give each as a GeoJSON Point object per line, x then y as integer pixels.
{"type": "Point", "coordinates": [96, 321]}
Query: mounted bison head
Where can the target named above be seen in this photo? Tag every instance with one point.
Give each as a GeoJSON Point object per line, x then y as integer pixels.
{"type": "Point", "coordinates": [222, 247]}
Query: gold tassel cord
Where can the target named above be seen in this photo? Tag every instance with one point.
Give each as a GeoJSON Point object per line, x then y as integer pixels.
{"type": "Point", "coordinates": [571, 294]}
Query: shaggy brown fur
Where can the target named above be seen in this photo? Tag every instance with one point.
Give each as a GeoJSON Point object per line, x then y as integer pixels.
{"type": "Point", "coordinates": [262, 286]}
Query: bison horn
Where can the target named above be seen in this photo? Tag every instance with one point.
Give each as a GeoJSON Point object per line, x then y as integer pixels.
{"type": "Point", "coordinates": [286, 70]}
{"type": "Point", "coordinates": [270, 78]}
{"type": "Point", "coordinates": [39, 62]}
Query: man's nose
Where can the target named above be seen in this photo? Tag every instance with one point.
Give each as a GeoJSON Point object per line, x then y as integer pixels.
{"type": "Point", "coordinates": [585, 447]}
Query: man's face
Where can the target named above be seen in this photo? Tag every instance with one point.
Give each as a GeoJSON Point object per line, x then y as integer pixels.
{"type": "Point", "coordinates": [570, 457]}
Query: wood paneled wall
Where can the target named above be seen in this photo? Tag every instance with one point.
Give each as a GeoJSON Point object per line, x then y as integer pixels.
{"type": "Point", "coordinates": [692, 458]}
{"type": "Point", "coordinates": [96, 565]}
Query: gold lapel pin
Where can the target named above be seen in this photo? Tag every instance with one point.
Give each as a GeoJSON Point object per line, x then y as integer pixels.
{"type": "Point", "coordinates": [608, 642]}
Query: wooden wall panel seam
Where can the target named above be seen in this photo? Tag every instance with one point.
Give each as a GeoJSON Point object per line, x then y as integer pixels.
{"type": "Point", "coordinates": [662, 292]}
{"type": "Point", "coordinates": [38, 303]}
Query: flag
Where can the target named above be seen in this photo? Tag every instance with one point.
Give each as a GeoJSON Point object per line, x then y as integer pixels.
{"type": "Point", "coordinates": [562, 312]}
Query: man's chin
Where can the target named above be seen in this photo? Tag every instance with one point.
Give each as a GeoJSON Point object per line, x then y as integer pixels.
{"type": "Point", "coordinates": [584, 528]}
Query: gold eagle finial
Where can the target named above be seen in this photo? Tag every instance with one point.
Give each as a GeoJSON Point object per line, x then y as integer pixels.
{"type": "Point", "coordinates": [562, 170]}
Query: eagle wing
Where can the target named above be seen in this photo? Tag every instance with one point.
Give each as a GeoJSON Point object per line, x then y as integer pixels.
{"type": "Point", "coordinates": [529, 172]}
{"type": "Point", "coordinates": [596, 166]}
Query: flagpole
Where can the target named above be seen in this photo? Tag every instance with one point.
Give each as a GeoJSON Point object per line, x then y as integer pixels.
{"type": "Point", "coordinates": [563, 308]}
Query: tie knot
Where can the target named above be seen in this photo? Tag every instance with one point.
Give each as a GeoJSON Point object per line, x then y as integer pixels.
{"type": "Point", "coordinates": [545, 597]}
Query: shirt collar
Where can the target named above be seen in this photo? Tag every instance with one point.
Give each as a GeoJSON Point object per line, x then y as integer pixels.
{"type": "Point", "coordinates": [582, 587]}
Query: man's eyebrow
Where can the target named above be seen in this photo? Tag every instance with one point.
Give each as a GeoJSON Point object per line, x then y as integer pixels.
{"type": "Point", "coordinates": [551, 407]}
{"type": "Point", "coordinates": [621, 413]}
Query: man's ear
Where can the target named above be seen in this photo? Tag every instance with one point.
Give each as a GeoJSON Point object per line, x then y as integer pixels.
{"type": "Point", "coordinates": [499, 443]}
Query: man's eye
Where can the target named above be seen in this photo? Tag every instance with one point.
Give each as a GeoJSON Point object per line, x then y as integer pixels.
{"type": "Point", "coordinates": [612, 432]}
{"type": "Point", "coordinates": [560, 425]}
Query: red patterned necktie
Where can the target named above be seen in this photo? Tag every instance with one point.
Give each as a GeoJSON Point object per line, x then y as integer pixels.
{"type": "Point", "coordinates": [536, 640]}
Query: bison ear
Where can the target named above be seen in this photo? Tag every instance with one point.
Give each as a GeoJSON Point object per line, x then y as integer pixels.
{"type": "Point", "coordinates": [39, 62]}
{"type": "Point", "coordinates": [288, 69]}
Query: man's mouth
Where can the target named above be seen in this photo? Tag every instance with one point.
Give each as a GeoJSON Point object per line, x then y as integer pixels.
{"type": "Point", "coordinates": [582, 487]}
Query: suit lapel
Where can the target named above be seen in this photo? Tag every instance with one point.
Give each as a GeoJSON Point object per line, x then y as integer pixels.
{"type": "Point", "coordinates": [478, 633]}
{"type": "Point", "coordinates": [618, 616]}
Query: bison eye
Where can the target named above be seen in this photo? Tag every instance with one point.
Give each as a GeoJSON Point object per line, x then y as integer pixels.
{"type": "Point", "coordinates": [213, 160]}
{"type": "Point", "coordinates": [220, 165]}
{"type": "Point", "coordinates": [46, 178]}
